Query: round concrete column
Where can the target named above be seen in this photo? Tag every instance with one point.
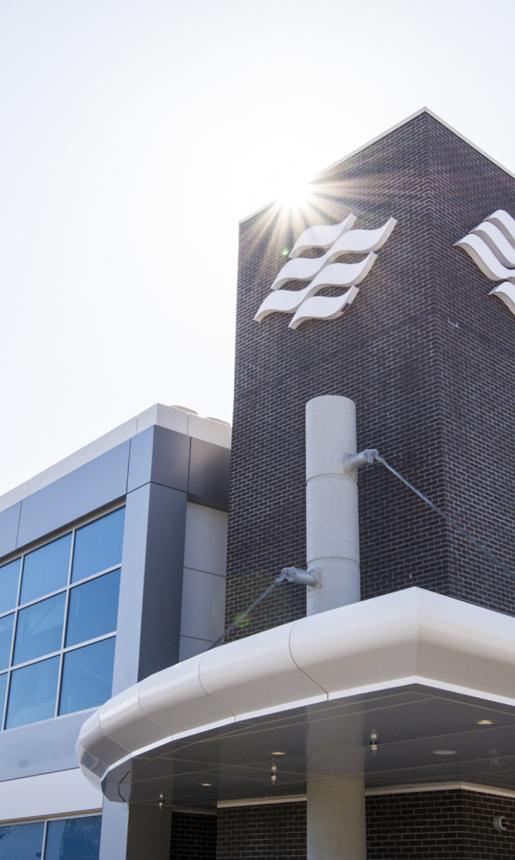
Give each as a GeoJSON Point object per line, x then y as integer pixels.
{"type": "Point", "coordinates": [335, 805]}
{"type": "Point", "coordinates": [336, 818]}
{"type": "Point", "coordinates": [332, 527]}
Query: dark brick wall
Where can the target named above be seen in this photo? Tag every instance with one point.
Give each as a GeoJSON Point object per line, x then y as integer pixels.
{"type": "Point", "coordinates": [437, 825]}
{"type": "Point", "coordinates": [193, 837]}
{"type": "Point", "coordinates": [262, 832]}
{"type": "Point", "coordinates": [426, 355]}
{"type": "Point", "coordinates": [429, 825]}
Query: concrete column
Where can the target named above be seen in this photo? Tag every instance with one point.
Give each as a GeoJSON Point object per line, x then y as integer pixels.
{"type": "Point", "coordinates": [332, 527]}
{"type": "Point", "coordinates": [336, 818]}
{"type": "Point", "coordinates": [335, 805]}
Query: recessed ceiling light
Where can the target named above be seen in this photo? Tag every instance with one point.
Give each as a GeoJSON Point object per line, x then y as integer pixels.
{"type": "Point", "coordinates": [485, 722]}
{"type": "Point", "coordinates": [444, 752]}
{"type": "Point", "coordinates": [279, 753]}
{"type": "Point", "coordinates": [206, 784]}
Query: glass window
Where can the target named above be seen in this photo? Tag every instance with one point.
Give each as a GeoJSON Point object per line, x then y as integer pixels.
{"type": "Point", "coordinates": [21, 841]}
{"type": "Point", "coordinates": [9, 584]}
{"type": "Point", "coordinates": [32, 693]}
{"type": "Point", "coordinates": [39, 629]}
{"type": "Point", "coordinates": [46, 569]}
{"type": "Point", "coordinates": [6, 632]}
{"type": "Point", "coordinates": [93, 608]}
{"type": "Point", "coordinates": [98, 545]}
{"type": "Point", "coordinates": [73, 839]}
{"type": "Point", "coordinates": [87, 676]}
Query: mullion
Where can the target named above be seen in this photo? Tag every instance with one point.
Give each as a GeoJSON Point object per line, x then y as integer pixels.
{"type": "Point", "coordinates": [65, 625]}
{"type": "Point", "coordinates": [45, 834]}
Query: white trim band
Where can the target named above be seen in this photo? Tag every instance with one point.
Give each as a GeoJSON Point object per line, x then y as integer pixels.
{"type": "Point", "coordinates": [59, 794]}
{"type": "Point", "coordinates": [411, 636]}
{"type": "Point", "coordinates": [376, 792]}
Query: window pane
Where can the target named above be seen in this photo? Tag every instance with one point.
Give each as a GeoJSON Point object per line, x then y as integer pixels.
{"type": "Point", "coordinates": [6, 630]}
{"type": "Point", "coordinates": [21, 841]}
{"type": "Point", "coordinates": [73, 839]}
{"type": "Point", "coordinates": [39, 629]}
{"type": "Point", "coordinates": [93, 608]}
{"type": "Point", "coordinates": [32, 693]}
{"type": "Point", "coordinates": [3, 687]}
{"type": "Point", "coordinates": [87, 677]}
{"type": "Point", "coordinates": [46, 569]}
{"type": "Point", "coordinates": [98, 545]}
{"type": "Point", "coordinates": [9, 584]}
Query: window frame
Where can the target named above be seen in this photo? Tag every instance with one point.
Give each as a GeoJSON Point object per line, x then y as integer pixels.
{"type": "Point", "coordinates": [66, 589]}
{"type": "Point", "coordinates": [46, 821]}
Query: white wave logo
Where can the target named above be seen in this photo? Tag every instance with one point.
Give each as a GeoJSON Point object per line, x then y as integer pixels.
{"type": "Point", "coordinates": [492, 247]}
{"type": "Point", "coordinates": [336, 240]}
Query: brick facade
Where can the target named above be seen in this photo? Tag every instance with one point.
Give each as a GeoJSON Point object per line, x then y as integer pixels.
{"type": "Point", "coordinates": [193, 837]}
{"type": "Point", "coordinates": [257, 832]}
{"type": "Point", "coordinates": [438, 824]}
{"type": "Point", "coordinates": [426, 354]}
{"type": "Point", "coordinates": [433, 825]}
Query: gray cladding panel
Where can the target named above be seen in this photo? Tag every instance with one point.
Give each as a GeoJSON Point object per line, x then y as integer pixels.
{"type": "Point", "coordinates": [203, 596]}
{"type": "Point", "coordinates": [86, 489]}
{"type": "Point", "coordinates": [151, 585]}
{"type": "Point", "coordinates": [40, 747]}
{"type": "Point", "coordinates": [161, 616]}
{"type": "Point", "coordinates": [161, 456]}
{"type": "Point", "coordinates": [209, 474]}
{"type": "Point", "coordinates": [9, 521]}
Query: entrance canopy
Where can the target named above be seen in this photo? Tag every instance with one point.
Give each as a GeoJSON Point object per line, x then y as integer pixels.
{"type": "Point", "coordinates": [412, 687]}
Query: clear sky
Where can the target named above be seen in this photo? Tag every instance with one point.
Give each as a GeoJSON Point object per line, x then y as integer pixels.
{"type": "Point", "coordinates": [134, 134]}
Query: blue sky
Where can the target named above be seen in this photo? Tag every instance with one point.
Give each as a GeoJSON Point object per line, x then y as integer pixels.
{"type": "Point", "coordinates": [134, 136]}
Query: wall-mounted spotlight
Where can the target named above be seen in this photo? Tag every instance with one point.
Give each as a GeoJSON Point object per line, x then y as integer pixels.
{"type": "Point", "coordinates": [501, 824]}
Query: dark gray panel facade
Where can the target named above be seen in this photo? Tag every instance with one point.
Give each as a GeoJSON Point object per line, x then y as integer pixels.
{"type": "Point", "coordinates": [151, 585]}
{"type": "Point", "coordinates": [209, 474]}
{"type": "Point", "coordinates": [161, 456]}
{"type": "Point", "coordinates": [134, 832]}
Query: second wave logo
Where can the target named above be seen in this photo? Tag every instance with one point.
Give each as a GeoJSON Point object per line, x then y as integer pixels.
{"type": "Point", "coordinates": [327, 270]}
{"type": "Point", "coordinates": [492, 247]}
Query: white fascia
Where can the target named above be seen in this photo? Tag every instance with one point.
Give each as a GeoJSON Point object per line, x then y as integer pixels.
{"type": "Point", "coordinates": [407, 637]}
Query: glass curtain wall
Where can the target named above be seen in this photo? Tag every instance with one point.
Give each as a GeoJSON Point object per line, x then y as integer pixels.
{"type": "Point", "coordinates": [61, 839]}
{"type": "Point", "coordinates": [58, 613]}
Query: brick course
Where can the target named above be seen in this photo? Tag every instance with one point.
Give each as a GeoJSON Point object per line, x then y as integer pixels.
{"type": "Point", "coordinates": [438, 824]}
{"type": "Point", "coordinates": [193, 837]}
{"type": "Point", "coordinates": [429, 825]}
{"type": "Point", "coordinates": [257, 832]}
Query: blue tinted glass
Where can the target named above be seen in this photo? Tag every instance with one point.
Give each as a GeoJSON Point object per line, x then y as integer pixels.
{"type": "Point", "coordinates": [45, 569]}
{"type": "Point", "coordinates": [87, 677]}
{"type": "Point", "coordinates": [9, 585]}
{"type": "Point", "coordinates": [39, 629]}
{"type": "Point", "coordinates": [32, 693]}
{"type": "Point", "coordinates": [6, 629]}
{"type": "Point", "coordinates": [21, 841]}
{"type": "Point", "coordinates": [93, 608]}
{"type": "Point", "coordinates": [3, 686]}
{"type": "Point", "coordinates": [73, 839]}
{"type": "Point", "coordinates": [98, 545]}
